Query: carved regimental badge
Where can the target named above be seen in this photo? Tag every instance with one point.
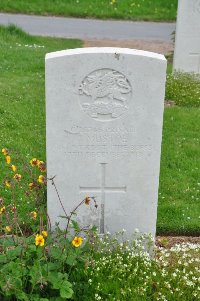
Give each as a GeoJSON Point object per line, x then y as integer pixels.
{"type": "Point", "coordinates": [105, 94]}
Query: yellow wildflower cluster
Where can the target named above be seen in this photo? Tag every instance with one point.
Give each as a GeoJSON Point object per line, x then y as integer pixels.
{"type": "Point", "coordinates": [77, 241]}
{"type": "Point", "coordinates": [14, 168]}
{"type": "Point", "coordinates": [33, 215]}
{"type": "Point", "coordinates": [44, 233]}
{"type": "Point", "coordinates": [8, 183]}
{"type": "Point", "coordinates": [8, 159]}
{"type": "Point", "coordinates": [41, 179]}
{"type": "Point", "coordinates": [39, 239]}
{"type": "Point", "coordinates": [32, 185]}
{"type": "Point", "coordinates": [5, 151]}
{"type": "Point", "coordinates": [87, 200]}
{"type": "Point", "coordinates": [2, 210]}
{"type": "Point", "coordinates": [17, 176]}
{"type": "Point", "coordinates": [8, 228]}
{"type": "Point", "coordinates": [40, 164]}
{"type": "Point", "coordinates": [42, 167]}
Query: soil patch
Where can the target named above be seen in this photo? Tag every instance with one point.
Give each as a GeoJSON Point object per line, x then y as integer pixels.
{"type": "Point", "coordinates": [153, 46]}
{"type": "Point", "coordinates": [169, 241]}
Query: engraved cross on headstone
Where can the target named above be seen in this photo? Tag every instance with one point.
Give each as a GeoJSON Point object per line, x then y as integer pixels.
{"type": "Point", "coordinates": [198, 60]}
{"type": "Point", "coordinates": [103, 189]}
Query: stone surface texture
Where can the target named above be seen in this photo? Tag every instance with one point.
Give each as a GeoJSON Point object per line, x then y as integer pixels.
{"type": "Point", "coordinates": [187, 42]}
{"type": "Point", "coordinates": [104, 113]}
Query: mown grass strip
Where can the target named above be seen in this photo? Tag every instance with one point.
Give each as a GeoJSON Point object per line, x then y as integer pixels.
{"type": "Point", "coordinates": [149, 10]}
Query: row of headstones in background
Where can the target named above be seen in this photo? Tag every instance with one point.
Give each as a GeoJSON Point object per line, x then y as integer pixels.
{"type": "Point", "coordinates": [187, 41]}
{"type": "Point", "coordinates": [104, 114]}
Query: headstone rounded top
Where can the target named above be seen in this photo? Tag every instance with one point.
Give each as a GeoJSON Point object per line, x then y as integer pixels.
{"type": "Point", "coordinates": [107, 50]}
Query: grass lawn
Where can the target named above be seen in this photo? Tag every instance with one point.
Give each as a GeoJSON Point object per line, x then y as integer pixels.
{"type": "Point", "coordinates": [151, 10]}
{"type": "Point", "coordinates": [22, 120]}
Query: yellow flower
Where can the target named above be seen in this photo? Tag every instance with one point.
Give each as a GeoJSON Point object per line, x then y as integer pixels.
{"type": "Point", "coordinates": [14, 168]}
{"type": "Point", "coordinates": [8, 229]}
{"type": "Point", "coordinates": [39, 240]}
{"type": "Point", "coordinates": [8, 159]}
{"type": "Point", "coordinates": [41, 179]}
{"type": "Point", "coordinates": [5, 151]}
{"type": "Point", "coordinates": [31, 185]}
{"type": "Point", "coordinates": [44, 233]}
{"type": "Point", "coordinates": [77, 241]}
{"type": "Point", "coordinates": [2, 210]}
{"type": "Point", "coordinates": [87, 200]}
{"type": "Point", "coordinates": [7, 183]}
{"type": "Point", "coordinates": [34, 162]}
{"type": "Point", "coordinates": [42, 166]}
{"type": "Point", "coordinates": [17, 177]}
{"type": "Point", "coordinates": [33, 214]}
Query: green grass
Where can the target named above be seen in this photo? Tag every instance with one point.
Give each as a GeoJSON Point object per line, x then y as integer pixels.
{"type": "Point", "coordinates": [22, 95]}
{"type": "Point", "coordinates": [22, 120]}
{"type": "Point", "coordinates": [179, 193]}
{"type": "Point", "coordinates": [22, 102]}
{"type": "Point", "coordinates": [183, 88]}
{"type": "Point", "coordinates": [153, 10]}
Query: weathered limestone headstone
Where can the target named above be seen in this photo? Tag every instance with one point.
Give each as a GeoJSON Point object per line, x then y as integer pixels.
{"type": "Point", "coordinates": [104, 111]}
{"type": "Point", "coordinates": [187, 42]}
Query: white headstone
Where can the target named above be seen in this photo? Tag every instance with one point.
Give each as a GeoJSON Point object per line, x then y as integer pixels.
{"type": "Point", "coordinates": [104, 112]}
{"type": "Point", "coordinates": [187, 42]}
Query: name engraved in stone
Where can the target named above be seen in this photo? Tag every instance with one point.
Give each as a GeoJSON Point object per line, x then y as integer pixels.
{"type": "Point", "coordinates": [98, 136]}
{"type": "Point", "coordinates": [105, 94]}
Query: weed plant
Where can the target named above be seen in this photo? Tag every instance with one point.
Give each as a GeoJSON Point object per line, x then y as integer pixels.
{"type": "Point", "coordinates": [184, 89]}
{"type": "Point", "coordinates": [36, 262]}
{"type": "Point", "coordinates": [43, 265]}
{"type": "Point", "coordinates": [126, 271]}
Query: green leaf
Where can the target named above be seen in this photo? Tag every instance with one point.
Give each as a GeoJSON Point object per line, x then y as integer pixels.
{"type": "Point", "coordinates": [38, 273]}
{"type": "Point", "coordinates": [12, 254]}
{"type": "Point", "coordinates": [71, 260]}
{"type": "Point", "coordinates": [8, 242]}
{"type": "Point", "coordinates": [53, 266]}
{"type": "Point", "coordinates": [54, 280]}
{"type": "Point", "coordinates": [66, 291]}
{"type": "Point", "coordinates": [58, 280]}
{"type": "Point", "coordinates": [22, 296]}
{"type": "Point", "coordinates": [64, 216]}
{"type": "Point", "coordinates": [3, 258]}
{"type": "Point", "coordinates": [32, 248]}
{"type": "Point", "coordinates": [75, 226]}
{"type": "Point", "coordinates": [37, 298]}
{"type": "Point", "coordinates": [56, 253]}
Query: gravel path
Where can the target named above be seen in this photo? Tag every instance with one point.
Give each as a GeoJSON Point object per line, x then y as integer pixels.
{"type": "Point", "coordinates": [154, 46]}
{"type": "Point", "coordinates": [91, 29]}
